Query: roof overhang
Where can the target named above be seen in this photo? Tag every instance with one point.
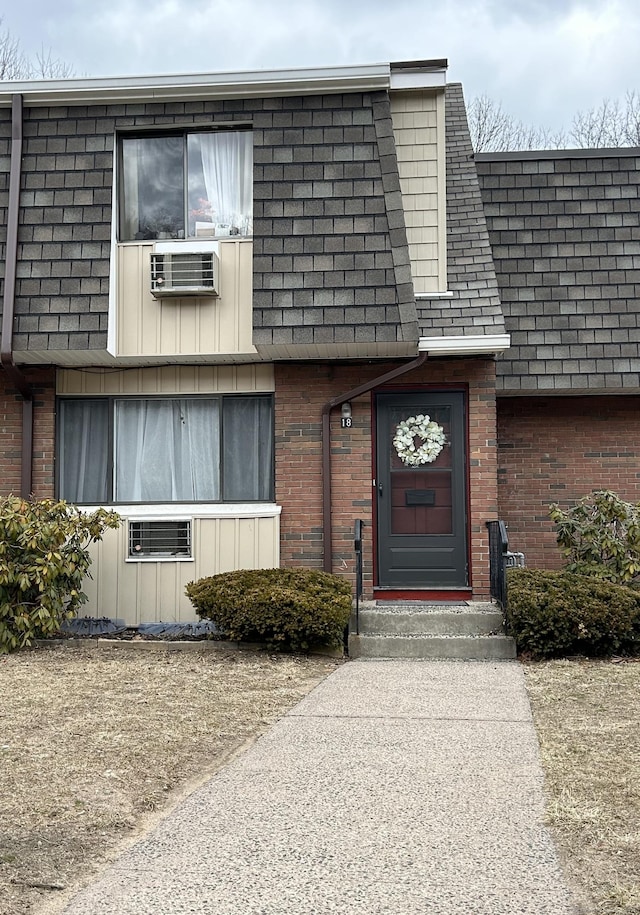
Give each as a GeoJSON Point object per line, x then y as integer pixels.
{"type": "Point", "coordinates": [225, 85]}
{"type": "Point", "coordinates": [478, 345]}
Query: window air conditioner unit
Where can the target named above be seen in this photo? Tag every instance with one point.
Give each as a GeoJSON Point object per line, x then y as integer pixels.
{"type": "Point", "coordinates": [184, 270]}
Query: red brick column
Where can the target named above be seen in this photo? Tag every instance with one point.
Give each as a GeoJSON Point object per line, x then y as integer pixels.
{"type": "Point", "coordinates": [43, 383]}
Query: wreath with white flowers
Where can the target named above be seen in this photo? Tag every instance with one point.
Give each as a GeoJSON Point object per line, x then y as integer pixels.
{"type": "Point", "coordinates": [431, 440]}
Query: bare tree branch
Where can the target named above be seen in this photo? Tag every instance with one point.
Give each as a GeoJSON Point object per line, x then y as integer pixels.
{"type": "Point", "coordinates": [599, 127]}
{"type": "Point", "coordinates": [493, 130]}
{"type": "Point", "coordinates": [631, 125]}
{"type": "Point", "coordinates": [612, 123]}
{"type": "Point", "coordinates": [46, 66]}
{"type": "Point", "coordinates": [16, 65]}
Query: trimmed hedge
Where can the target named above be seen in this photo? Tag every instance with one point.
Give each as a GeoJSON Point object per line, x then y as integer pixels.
{"type": "Point", "coordinates": [295, 609]}
{"type": "Point", "coordinates": [554, 614]}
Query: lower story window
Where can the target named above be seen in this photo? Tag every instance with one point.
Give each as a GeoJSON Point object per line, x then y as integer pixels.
{"type": "Point", "coordinates": [176, 449]}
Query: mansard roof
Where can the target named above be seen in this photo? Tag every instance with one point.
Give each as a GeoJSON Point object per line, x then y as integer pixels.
{"type": "Point", "coordinates": [564, 228]}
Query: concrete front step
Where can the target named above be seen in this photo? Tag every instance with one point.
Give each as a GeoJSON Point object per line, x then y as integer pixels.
{"type": "Point", "coordinates": [412, 622]}
{"type": "Point", "coordinates": [472, 631]}
{"type": "Point", "coordinates": [467, 648]}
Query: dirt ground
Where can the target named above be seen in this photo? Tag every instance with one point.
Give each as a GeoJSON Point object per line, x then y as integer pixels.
{"type": "Point", "coordinates": [94, 741]}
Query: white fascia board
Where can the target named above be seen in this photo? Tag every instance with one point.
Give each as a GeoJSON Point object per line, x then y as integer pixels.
{"type": "Point", "coordinates": [480, 344]}
{"type": "Point", "coordinates": [243, 84]}
{"type": "Point", "coordinates": [417, 79]}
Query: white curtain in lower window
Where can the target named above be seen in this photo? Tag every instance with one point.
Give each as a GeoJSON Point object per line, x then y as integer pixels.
{"type": "Point", "coordinates": [167, 450]}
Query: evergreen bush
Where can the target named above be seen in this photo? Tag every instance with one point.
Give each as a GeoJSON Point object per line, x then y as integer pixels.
{"type": "Point", "coordinates": [600, 536]}
{"type": "Point", "coordinates": [44, 558]}
{"type": "Point", "coordinates": [555, 614]}
{"type": "Point", "coordinates": [295, 609]}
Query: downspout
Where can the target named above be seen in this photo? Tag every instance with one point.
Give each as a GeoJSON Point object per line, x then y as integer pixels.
{"type": "Point", "coordinates": [18, 379]}
{"type": "Point", "coordinates": [326, 443]}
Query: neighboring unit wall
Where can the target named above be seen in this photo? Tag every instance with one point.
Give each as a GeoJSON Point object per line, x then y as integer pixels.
{"type": "Point", "coordinates": [559, 449]}
{"type": "Point", "coordinates": [43, 383]}
{"type": "Point", "coordinates": [301, 392]}
{"type": "Point", "coordinates": [419, 133]}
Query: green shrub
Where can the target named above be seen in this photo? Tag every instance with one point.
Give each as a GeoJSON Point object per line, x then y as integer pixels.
{"type": "Point", "coordinates": [554, 614]}
{"type": "Point", "coordinates": [600, 536]}
{"type": "Point", "coordinates": [286, 608]}
{"type": "Point", "coordinates": [43, 561]}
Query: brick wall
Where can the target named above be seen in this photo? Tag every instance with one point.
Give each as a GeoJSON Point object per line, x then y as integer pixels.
{"type": "Point", "coordinates": [559, 449]}
{"type": "Point", "coordinates": [43, 382]}
{"type": "Point", "coordinates": [301, 392]}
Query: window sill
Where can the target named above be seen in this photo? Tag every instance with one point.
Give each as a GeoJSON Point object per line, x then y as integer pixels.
{"type": "Point", "coordinates": [159, 511]}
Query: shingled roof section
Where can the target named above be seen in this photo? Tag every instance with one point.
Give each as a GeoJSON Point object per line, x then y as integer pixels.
{"type": "Point", "coordinates": [473, 308]}
{"type": "Point", "coordinates": [565, 232]}
{"type": "Point", "coordinates": [331, 263]}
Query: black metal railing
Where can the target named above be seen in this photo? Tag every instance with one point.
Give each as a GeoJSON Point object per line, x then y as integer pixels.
{"type": "Point", "coordinates": [357, 546]}
{"type": "Point", "coordinates": [498, 549]}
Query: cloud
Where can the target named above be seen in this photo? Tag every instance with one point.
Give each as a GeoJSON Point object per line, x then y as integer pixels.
{"type": "Point", "coordinates": [543, 59]}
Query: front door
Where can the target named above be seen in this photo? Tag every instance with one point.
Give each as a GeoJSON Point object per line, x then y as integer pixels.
{"type": "Point", "coordinates": [421, 490]}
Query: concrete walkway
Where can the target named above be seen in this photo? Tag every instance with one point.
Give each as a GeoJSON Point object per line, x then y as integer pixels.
{"type": "Point", "coordinates": [395, 787]}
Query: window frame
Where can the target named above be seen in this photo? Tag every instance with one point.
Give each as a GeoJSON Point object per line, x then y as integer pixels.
{"type": "Point", "coordinates": [154, 132]}
{"type": "Point", "coordinates": [113, 399]}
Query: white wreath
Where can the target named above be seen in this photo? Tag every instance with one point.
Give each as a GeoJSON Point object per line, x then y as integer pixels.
{"type": "Point", "coordinates": [430, 433]}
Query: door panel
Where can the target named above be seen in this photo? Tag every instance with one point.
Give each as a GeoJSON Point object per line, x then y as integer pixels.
{"type": "Point", "coordinates": [422, 536]}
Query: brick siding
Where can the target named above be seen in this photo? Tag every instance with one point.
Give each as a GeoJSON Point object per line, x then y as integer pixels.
{"type": "Point", "coordinates": [301, 392]}
{"type": "Point", "coordinates": [558, 450]}
{"type": "Point", "coordinates": [43, 382]}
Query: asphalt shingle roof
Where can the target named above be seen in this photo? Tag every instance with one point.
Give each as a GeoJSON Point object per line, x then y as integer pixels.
{"type": "Point", "coordinates": [474, 306]}
{"type": "Point", "coordinates": [565, 233]}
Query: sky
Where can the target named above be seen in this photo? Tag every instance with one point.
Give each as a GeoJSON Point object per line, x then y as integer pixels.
{"type": "Point", "coordinates": [543, 60]}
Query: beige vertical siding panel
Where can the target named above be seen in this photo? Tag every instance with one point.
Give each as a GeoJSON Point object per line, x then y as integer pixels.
{"type": "Point", "coordinates": [245, 305]}
{"type": "Point", "coordinates": [184, 326]}
{"type": "Point", "coordinates": [268, 542]}
{"type": "Point", "coordinates": [418, 125]}
{"type": "Point", "coordinates": [170, 379]}
{"type": "Point", "coordinates": [442, 192]}
{"type": "Point", "coordinates": [154, 591]}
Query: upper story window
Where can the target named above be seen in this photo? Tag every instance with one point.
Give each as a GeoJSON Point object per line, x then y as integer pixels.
{"type": "Point", "coordinates": [186, 185]}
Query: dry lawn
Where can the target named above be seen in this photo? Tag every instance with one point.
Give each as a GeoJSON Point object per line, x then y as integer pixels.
{"type": "Point", "coordinates": [587, 717]}
{"type": "Point", "coordinates": [92, 741]}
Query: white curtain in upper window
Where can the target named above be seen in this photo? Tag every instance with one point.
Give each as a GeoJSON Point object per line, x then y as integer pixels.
{"type": "Point", "coordinates": [227, 165]}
